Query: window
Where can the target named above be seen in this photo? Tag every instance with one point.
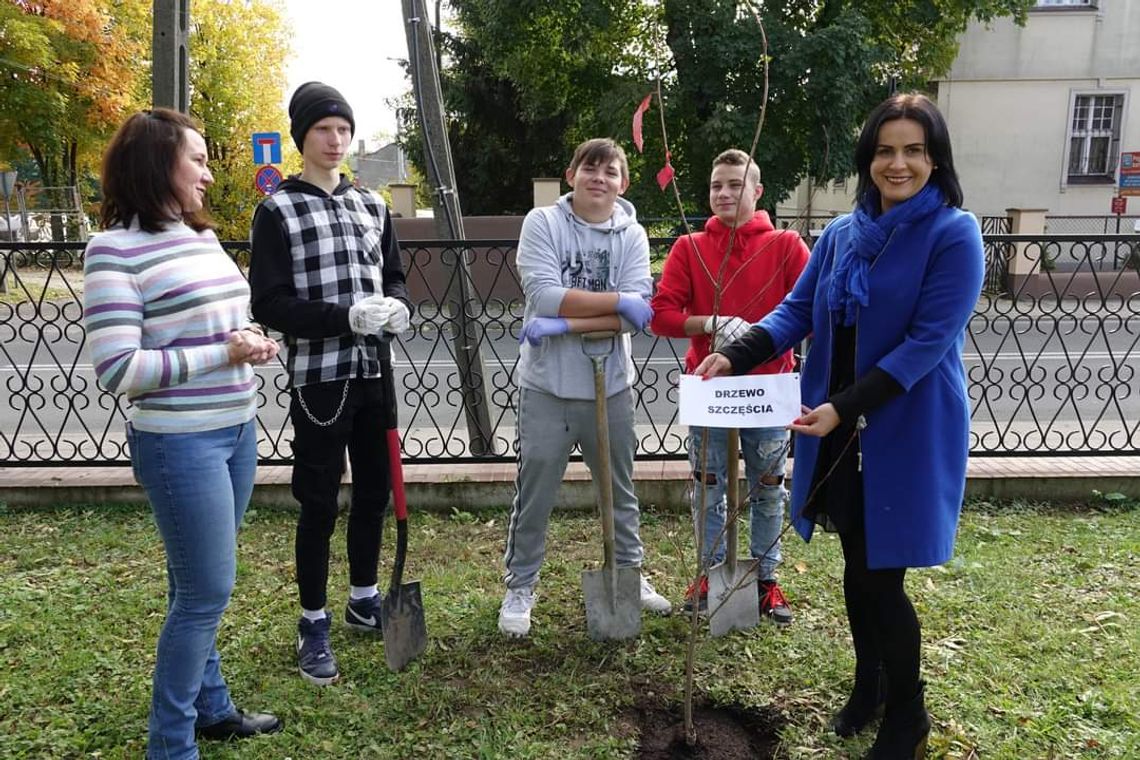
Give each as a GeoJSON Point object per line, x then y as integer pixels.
{"type": "Point", "coordinates": [1065, 4]}
{"type": "Point", "coordinates": [1094, 138]}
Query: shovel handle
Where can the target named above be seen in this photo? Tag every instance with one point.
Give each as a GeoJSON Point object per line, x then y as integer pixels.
{"type": "Point", "coordinates": [400, 507]}
{"type": "Point", "coordinates": [604, 476]}
{"type": "Point", "coordinates": [733, 496]}
{"type": "Point", "coordinates": [396, 469]}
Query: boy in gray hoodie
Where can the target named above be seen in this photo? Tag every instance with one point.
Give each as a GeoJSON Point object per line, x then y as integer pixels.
{"type": "Point", "coordinates": [584, 264]}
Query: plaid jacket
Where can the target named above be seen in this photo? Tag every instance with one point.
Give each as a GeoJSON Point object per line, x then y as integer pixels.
{"type": "Point", "coordinates": [313, 256]}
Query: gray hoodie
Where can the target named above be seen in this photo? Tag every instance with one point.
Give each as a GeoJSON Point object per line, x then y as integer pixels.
{"type": "Point", "coordinates": [558, 251]}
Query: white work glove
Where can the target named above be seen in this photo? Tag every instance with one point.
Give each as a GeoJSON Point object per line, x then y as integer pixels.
{"type": "Point", "coordinates": [396, 317]}
{"type": "Point", "coordinates": [725, 330]}
{"type": "Point", "coordinates": [366, 318]}
{"type": "Point", "coordinates": [399, 318]}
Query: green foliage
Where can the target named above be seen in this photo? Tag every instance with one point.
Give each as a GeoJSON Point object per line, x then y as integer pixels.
{"type": "Point", "coordinates": [1114, 500]}
{"type": "Point", "coordinates": [526, 81]}
{"type": "Point", "coordinates": [237, 81]}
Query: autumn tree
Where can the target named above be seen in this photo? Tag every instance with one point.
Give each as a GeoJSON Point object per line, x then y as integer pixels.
{"type": "Point", "coordinates": [68, 75]}
{"type": "Point", "coordinates": [237, 79]}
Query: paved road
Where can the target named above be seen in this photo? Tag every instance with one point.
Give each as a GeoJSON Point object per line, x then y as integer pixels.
{"type": "Point", "coordinates": [1026, 374]}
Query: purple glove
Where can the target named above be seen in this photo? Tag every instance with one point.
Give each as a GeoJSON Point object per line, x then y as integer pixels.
{"type": "Point", "coordinates": [635, 309]}
{"type": "Point", "coordinates": [543, 327]}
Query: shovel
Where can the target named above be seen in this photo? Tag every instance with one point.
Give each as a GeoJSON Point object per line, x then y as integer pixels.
{"type": "Point", "coordinates": [613, 594]}
{"type": "Point", "coordinates": [402, 610]}
{"type": "Point", "coordinates": [734, 601]}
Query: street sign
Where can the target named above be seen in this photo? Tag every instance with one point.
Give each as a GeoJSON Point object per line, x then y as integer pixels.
{"type": "Point", "coordinates": [266, 148]}
{"type": "Point", "coordinates": [267, 179]}
{"type": "Point", "coordinates": [1130, 173]}
{"type": "Point", "coordinates": [1119, 205]}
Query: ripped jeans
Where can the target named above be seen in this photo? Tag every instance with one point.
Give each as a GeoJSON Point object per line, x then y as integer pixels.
{"type": "Point", "coordinates": [765, 453]}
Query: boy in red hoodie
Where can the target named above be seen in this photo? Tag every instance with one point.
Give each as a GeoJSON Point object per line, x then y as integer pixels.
{"type": "Point", "coordinates": [763, 265]}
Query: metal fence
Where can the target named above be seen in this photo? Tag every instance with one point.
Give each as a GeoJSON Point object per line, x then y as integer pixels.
{"type": "Point", "coordinates": [1057, 224]}
{"type": "Point", "coordinates": [1051, 357]}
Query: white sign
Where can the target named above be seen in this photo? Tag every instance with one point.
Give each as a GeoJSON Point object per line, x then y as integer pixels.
{"type": "Point", "coordinates": [748, 401]}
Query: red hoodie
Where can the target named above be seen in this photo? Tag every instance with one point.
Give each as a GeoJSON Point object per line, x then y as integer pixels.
{"type": "Point", "coordinates": [763, 266]}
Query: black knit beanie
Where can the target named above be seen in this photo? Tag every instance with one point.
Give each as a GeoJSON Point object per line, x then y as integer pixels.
{"type": "Point", "coordinates": [312, 102]}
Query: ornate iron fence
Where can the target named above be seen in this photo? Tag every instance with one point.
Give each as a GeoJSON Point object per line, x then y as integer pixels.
{"type": "Point", "coordinates": [1051, 357]}
{"type": "Point", "coordinates": [995, 225]}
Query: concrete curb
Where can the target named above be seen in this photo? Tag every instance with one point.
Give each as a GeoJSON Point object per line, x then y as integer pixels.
{"type": "Point", "coordinates": [661, 486]}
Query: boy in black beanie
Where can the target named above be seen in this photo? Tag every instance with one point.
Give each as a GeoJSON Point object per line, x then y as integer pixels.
{"type": "Point", "coordinates": [325, 270]}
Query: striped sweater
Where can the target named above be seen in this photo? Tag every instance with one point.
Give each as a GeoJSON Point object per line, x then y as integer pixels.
{"type": "Point", "coordinates": [159, 309]}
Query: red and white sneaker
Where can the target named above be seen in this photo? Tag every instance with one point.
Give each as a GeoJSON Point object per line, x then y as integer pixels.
{"type": "Point", "coordinates": [773, 604]}
{"type": "Point", "coordinates": [702, 596]}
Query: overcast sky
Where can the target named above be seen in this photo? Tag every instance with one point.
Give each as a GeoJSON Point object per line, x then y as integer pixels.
{"type": "Point", "coordinates": [348, 44]}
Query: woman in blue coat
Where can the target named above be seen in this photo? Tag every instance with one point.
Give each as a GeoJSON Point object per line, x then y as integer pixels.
{"type": "Point", "coordinates": [881, 455]}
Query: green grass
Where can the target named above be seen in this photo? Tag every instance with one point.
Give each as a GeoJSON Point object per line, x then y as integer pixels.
{"type": "Point", "coordinates": [1030, 643]}
{"type": "Point", "coordinates": [34, 293]}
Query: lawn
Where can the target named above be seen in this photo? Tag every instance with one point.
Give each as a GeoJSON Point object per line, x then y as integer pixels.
{"type": "Point", "coordinates": [1030, 643]}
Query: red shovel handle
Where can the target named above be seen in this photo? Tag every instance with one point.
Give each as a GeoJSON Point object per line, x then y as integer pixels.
{"type": "Point", "coordinates": [396, 468]}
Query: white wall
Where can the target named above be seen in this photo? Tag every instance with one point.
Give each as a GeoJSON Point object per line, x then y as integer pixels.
{"type": "Point", "coordinates": [829, 200]}
{"type": "Point", "coordinates": [1007, 101]}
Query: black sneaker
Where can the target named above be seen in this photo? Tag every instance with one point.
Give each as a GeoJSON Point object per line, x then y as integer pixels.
{"type": "Point", "coordinates": [240, 725]}
{"type": "Point", "coordinates": [364, 614]}
{"type": "Point", "coordinates": [773, 605]}
{"type": "Point", "coordinates": [314, 655]}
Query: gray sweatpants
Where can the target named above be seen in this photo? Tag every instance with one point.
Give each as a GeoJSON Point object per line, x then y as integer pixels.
{"type": "Point", "coordinates": [548, 429]}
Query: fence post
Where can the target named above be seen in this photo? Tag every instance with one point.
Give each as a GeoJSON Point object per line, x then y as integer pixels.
{"type": "Point", "coordinates": [546, 190]}
{"type": "Point", "coordinates": [1022, 266]}
{"type": "Point", "coordinates": [403, 199]}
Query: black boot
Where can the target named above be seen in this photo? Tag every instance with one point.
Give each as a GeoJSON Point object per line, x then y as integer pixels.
{"type": "Point", "coordinates": [904, 730]}
{"type": "Point", "coordinates": [863, 706]}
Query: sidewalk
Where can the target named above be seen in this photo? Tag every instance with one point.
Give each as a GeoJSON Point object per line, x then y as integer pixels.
{"type": "Point", "coordinates": [660, 485]}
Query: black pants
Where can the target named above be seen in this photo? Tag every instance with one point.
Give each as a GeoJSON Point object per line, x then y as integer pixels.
{"type": "Point", "coordinates": [361, 428]}
{"type": "Point", "coordinates": [884, 626]}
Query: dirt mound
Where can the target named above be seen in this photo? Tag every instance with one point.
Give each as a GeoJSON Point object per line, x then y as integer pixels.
{"type": "Point", "coordinates": [724, 732]}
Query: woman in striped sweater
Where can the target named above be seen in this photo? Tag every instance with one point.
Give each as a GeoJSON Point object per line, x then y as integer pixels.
{"type": "Point", "coordinates": [166, 316]}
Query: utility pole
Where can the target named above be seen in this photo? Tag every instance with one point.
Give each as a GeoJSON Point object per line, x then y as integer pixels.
{"type": "Point", "coordinates": [170, 55]}
{"type": "Point", "coordinates": [449, 225]}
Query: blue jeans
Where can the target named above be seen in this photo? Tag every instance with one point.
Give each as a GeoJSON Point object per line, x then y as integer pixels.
{"type": "Point", "coordinates": [198, 485]}
{"type": "Point", "coordinates": [765, 453]}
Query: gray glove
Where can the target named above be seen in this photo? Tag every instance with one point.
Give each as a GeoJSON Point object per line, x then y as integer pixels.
{"type": "Point", "coordinates": [725, 330]}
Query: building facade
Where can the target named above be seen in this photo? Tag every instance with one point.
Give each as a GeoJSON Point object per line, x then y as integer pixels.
{"type": "Point", "coordinates": [1040, 113]}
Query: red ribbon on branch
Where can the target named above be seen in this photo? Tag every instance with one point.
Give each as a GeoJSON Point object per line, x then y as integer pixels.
{"type": "Point", "coordinates": [665, 176]}
{"type": "Point", "coordinates": [638, 140]}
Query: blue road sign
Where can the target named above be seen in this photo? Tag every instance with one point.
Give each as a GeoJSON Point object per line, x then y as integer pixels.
{"type": "Point", "coordinates": [267, 179]}
{"type": "Point", "coordinates": [266, 148]}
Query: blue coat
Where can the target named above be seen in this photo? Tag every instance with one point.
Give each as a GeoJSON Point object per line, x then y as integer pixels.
{"type": "Point", "coordinates": [923, 286]}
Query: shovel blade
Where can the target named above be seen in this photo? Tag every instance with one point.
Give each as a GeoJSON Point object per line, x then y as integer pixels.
{"type": "Point", "coordinates": [734, 602]}
{"type": "Point", "coordinates": [405, 632]}
{"type": "Point", "coordinates": [613, 603]}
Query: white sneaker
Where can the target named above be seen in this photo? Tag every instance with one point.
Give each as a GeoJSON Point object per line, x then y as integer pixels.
{"type": "Point", "coordinates": [651, 600]}
{"type": "Point", "coordinates": [514, 614]}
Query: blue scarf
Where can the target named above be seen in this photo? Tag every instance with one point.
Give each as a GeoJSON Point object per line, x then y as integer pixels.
{"type": "Point", "coordinates": [848, 289]}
